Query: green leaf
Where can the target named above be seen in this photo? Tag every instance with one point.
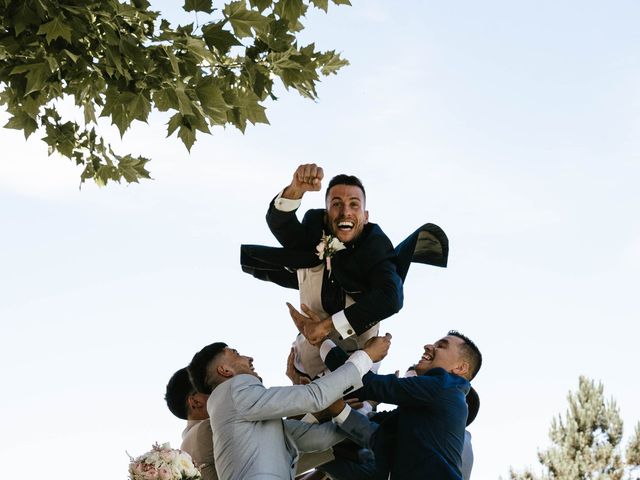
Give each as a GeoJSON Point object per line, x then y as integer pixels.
{"type": "Point", "coordinates": [198, 6]}
{"type": "Point", "coordinates": [199, 49]}
{"type": "Point", "coordinates": [243, 20]}
{"type": "Point", "coordinates": [261, 5]}
{"type": "Point", "coordinates": [332, 62]}
{"type": "Point", "coordinates": [290, 10]}
{"type": "Point", "coordinates": [184, 102]}
{"type": "Point", "coordinates": [212, 101]}
{"type": "Point", "coordinates": [187, 135]}
{"type": "Point", "coordinates": [216, 37]}
{"type": "Point", "coordinates": [165, 99]}
{"type": "Point", "coordinates": [23, 16]}
{"type": "Point", "coordinates": [139, 107]}
{"type": "Point", "coordinates": [74, 58]}
{"type": "Point", "coordinates": [172, 59]}
{"type": "Point", "coordinates": [174, 122]}
{"type": "Point", "coordinates": [133, 169]}
{"type": "Point", "coordinates": [321, 4]}
{"type": "Point", "coordinates": [249, 107]}
{"type": "Point", "coordinates": [37, 75]}
{"type": "Point", "coordinates": [22, 121]}
{"type": "Point", "coordinates": [116, 107]}
{"type": "Point", "coordinates": [342, 2]}
{"type": "Point", "coordinates": [54, 29]}
{"type": "Point", "coordinates": [104, 173]}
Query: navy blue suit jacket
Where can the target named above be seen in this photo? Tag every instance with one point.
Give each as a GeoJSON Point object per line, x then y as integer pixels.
{"type": "Point", "coordinates": [424, 436]}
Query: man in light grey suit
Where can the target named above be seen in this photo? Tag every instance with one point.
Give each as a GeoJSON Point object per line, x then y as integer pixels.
{"type": "Point", "coordinates": [250, 439]}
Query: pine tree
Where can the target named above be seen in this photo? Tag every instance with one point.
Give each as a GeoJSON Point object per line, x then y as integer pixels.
{"type": "Point", "coordinates": [586, 442]}
{"type": "Point", "coordinates": [632, 455]}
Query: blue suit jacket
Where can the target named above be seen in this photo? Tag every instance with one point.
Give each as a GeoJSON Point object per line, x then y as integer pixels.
{"type": "Point", "coordinates": [423, 438]}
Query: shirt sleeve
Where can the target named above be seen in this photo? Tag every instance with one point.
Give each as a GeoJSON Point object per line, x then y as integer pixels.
{"type": "Point", "coordinates": [325, 348]}
{"type": "Point", "coordinates": [309, 418]}
{"type": "Point", "coordinates": [342, 325]}
{"type": "Point", "coordinates": [361, 360]}
{"type": "Point", "coordinates": [286, 204]}
{"type": "Point", "coordinates": [342, 416]}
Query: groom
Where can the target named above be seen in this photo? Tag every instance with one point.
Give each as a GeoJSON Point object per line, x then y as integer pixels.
{"type": "Point", "coordinates": [359, 285]}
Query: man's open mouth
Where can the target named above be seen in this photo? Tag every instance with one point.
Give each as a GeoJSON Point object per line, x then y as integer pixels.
{"type": "Point", "coordinates": [345, 226]}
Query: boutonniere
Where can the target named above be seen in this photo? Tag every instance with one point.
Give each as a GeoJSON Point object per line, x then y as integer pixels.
{"type": "Point", "coordinates": [328, 247]}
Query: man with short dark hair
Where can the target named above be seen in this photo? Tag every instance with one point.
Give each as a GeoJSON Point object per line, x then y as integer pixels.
{"type": "Point", "coordinates": [250, 439]}
{"type": "Point", "coordinates": [348, 273]}
{"type": "Point", "coordinates": [424, 436]}
{"type": "Point", "coordinates": [186, 403]}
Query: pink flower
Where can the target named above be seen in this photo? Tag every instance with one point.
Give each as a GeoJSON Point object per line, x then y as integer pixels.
{"type": "Point", "coordinates": [164, 473]}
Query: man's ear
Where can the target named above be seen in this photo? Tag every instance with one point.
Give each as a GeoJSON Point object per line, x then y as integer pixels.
{"type": "Point", "coordinates": [195, 402]}
{"type": "Point", "coordinates": [366, 216]}
{"type": "Point", "coordinates": [462, 369]}
{"type": "Point", "coordinates": [224, 371]}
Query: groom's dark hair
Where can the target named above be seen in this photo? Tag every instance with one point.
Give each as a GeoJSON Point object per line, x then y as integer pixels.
{"type": "Point", "coordinates": [198, 366]}
{"type": "Point", "coordinates": [344, 179]}
{"type": "Point", "coordinates": [178, 390]}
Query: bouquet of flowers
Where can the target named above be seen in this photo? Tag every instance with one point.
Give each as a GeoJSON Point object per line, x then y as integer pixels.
{"type": "Point", "coordinates": [328, 247]}
{"type": "Point", "coordinates": [163, 463]}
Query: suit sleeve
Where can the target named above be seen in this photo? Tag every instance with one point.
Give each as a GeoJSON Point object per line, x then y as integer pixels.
{"type": "Point", "coordinates": [255, 402]}
{"type": "Point", "coordinates": [290, 232]}
{"type": "Point", "coordinates": [384, 297]}
{"type": "Point", "coordinates": [408, 392]}
{"type": "Point", "coordinates": [359, 428]}
{"type": "Point", "coordinates": [313, 437]}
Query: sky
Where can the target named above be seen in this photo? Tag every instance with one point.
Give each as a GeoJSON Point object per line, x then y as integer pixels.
{"type": "Point", "coordinates": [514, 126]}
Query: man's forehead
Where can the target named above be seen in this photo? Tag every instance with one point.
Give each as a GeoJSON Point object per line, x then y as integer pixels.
{"type": "Point", "coordinates": [343, 190]}
{"type": "Point", "coordinates": [450, 339]}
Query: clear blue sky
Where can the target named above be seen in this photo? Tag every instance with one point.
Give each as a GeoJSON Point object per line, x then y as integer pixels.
{"type": "Point", "coordinates": [515, 126]}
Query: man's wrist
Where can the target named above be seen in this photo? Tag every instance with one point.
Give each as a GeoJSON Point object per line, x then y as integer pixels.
{"type": "Point", "coordinates": [283, 204]}
{"type": "Point", "coordinates": [292, 193]}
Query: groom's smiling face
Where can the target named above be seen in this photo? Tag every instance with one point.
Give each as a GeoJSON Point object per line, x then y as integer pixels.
{"type": "Point", "coordinates": [346, 214]}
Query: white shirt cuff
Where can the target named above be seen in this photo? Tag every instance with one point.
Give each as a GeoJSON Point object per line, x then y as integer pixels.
{"type": "Point", "coordinates": [325, 348]}
{"type": "Point", "coordinates": [309, 418]}
{"type": "Point", "coordinates": [362, 361]}
{"type": "Point", "coordinates": [342, 325]}
{"type": "Point", "coordinates": [342, 416]}
{"type": "Point", "coordinates": [286, 204]}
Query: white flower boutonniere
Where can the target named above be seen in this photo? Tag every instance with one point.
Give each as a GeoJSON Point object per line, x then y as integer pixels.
{"type": "Point", "coordinates": [328, 247]}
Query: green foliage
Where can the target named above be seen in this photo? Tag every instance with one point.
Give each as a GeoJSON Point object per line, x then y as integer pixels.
{"type": "Point", "coordinates": [122, 61]}
{"type": "Point", "coordinates": [586, 442]}
{"type": "Point", "coordinates": [632, 453]}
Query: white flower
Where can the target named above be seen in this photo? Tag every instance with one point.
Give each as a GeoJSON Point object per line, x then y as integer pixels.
{"type": "Point", "coordinates": [336, 245]}
{"type": "Point", "coordinates": [163, 463]}
{"type": "Point", "coordinates": [328, 246]}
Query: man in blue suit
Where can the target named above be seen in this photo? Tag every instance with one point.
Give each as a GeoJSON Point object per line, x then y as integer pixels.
{"type": "Point", "coordinates": [424, 436]}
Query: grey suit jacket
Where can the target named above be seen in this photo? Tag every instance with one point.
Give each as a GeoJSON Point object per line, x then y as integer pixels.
{"type": "Point", "coordinates": [250, 439]}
